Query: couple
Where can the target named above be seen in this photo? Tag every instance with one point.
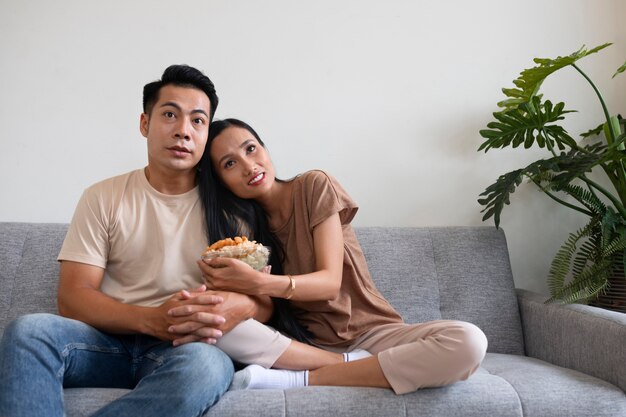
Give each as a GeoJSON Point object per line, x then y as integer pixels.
{"type": "Point", "coordinates": [135, 240]}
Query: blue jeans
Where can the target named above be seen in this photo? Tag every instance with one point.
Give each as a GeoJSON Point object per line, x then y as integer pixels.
{"type": "Point", "coordinates": [42, 353]}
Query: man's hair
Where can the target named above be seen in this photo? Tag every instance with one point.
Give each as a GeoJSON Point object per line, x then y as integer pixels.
{"type": "Point", "coordinates": [181, 76]}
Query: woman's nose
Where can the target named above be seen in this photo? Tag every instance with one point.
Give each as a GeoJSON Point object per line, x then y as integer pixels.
{"type": "Point", "coordinates": [248, 166]}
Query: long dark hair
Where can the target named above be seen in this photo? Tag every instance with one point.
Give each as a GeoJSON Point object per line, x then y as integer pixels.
{"type": "Point", "coordinates": [227, 215]}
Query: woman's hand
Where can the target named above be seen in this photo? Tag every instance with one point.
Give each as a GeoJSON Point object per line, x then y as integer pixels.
{"type": "Point", "coordinates": [229, 274]}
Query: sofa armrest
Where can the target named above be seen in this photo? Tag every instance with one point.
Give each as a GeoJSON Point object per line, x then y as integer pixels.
{"type": "Point", "coordinates": [588, 339]}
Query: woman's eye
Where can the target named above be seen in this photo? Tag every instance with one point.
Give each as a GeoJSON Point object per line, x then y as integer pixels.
{"type": "Point", "coordinates": [250, 148]}
{"type": "Point", "coordinates": [229, 164]}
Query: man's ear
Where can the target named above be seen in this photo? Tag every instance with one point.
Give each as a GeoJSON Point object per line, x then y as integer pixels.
{"type": "Point", "coordinates": [144, 124]}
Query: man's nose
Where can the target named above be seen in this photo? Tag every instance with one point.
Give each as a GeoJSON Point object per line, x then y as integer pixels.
{"type": "Point", "coordinates": [183, 129]}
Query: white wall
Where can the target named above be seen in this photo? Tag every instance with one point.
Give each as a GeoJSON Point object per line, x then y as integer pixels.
{"type": "Point", "coordinates": [387, 96]}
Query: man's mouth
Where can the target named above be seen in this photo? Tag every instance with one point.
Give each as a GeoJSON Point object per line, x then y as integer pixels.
{"type": "Point", "coordinates": [179, 151]}
{"type": "Point", "coordinates": [258, 178]}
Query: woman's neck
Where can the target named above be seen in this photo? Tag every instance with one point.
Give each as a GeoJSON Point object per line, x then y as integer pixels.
{"type": "Point", "coordinates": [277, 203]}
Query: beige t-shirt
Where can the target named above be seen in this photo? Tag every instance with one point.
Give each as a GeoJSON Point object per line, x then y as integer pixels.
{"type": "Point", "coordinates": [359, 306]}
{"type": "Point", "coordinates": [147, 242]}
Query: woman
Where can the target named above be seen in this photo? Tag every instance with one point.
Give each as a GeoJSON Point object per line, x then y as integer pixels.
{"type": "Point", "coordinates": [325, 275]}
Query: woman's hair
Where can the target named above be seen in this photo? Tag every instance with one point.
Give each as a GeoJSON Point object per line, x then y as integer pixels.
{"type": "Point", "coordinates": [227, 215]}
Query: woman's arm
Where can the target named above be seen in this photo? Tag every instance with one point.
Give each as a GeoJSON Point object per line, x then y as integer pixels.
{"type": "Point", "coordinates": [323, 284]}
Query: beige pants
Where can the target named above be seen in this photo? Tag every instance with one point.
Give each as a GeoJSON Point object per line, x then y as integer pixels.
{"type": "Point", "coordinates": [431, 354]}
{"type": "Point", "coordinates": [412, 356]}
{"type": "Point", "coordinates": [254, 342]}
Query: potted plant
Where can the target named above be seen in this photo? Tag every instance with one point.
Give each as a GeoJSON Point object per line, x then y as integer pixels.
{"type": "Point", "coordinates": [588, 265]}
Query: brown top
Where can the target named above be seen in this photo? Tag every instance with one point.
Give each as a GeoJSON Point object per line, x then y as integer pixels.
{"type": "Point", "coordinates": [359, 306]}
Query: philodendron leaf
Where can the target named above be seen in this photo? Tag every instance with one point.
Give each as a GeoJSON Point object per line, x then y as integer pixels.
{"type": "Point", "coordinates": [592, 132]}
{"type": "Point", "coordinates": [620, 70]}
{"type": "Point", "coordinates": [530, 123]}
{"type": "Point", "coordinates": [497, 194]}
{"type": "Point", "coordinates": [530, 79]}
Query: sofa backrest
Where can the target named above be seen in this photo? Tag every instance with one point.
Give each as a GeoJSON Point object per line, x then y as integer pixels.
{"type": "Point", "coordinates": [426, 273]}
{"type": "Point", "coordinates": [460, 273]}
{"type": "Point", "coordinates": [29, 271]}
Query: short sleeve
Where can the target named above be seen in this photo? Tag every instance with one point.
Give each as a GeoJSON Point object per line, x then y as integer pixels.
{"type": "Point", "coordinates": [87, 236]}
{"type": "Point", "coordinates": [325, 197]}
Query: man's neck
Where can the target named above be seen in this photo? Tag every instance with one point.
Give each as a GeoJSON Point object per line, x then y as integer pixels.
{"type": "Point", "coordinates": [170, 183]}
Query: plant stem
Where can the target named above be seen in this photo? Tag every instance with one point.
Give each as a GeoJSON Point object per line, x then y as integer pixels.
{"type": "Point", "coordinates": [620, 177]}
{"type": "Point", "coordinates": [602, 103]}
{"type": "Point", "coordinates": [563, 202]}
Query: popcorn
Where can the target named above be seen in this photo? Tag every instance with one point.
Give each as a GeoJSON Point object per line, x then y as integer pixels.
{"type": "Point", "coordinates": [249, 251]}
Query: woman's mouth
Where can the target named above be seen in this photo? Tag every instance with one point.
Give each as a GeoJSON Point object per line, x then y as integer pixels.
{"type": "Point", "coordinates": [257, 179]}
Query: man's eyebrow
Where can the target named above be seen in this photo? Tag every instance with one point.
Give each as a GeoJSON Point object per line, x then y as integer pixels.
{"type": "Point", "coordinates": [243, 145]}
{"type": "Point", "coordinates": [177, 107]}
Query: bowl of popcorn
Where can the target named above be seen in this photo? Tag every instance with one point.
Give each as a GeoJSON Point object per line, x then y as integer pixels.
{"type": "Point", "coordinates": [248, 251]}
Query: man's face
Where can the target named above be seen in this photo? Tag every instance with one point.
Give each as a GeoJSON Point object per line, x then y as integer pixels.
{"type": "Point", "coordinates": [177, 129]}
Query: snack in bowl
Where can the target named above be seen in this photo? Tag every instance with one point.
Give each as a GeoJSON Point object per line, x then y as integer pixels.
{"type": "Point", "coordinates": [249, 251]}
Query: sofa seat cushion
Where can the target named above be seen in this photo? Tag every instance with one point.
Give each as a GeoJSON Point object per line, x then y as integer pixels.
{"type": "Point", "coordinates": [552, 391]}
{"type": "Point", "coordinates": [481, 395]}
{"type": "Point", "coordinates": [484, 395]}
{"type": "Point", "coordinates": [83, 402]}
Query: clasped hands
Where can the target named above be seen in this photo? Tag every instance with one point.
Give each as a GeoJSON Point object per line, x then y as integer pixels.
{"type": "Point", "coordinates": [204, 314]}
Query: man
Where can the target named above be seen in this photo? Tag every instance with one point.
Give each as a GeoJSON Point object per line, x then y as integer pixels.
{"type": "Point", "coordinates": [132, 243]}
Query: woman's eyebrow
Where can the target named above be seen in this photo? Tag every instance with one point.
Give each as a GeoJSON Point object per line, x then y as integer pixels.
{"type": "Point", "coordinates": [243, 145]}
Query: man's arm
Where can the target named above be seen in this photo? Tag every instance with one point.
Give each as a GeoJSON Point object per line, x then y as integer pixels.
{"type": "Point", "coordinates": [79, 297]}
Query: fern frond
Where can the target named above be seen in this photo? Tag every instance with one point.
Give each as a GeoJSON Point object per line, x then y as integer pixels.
{"type": "Point", "coordinates": [560, 267]}
{"type": "Point", "coordinates": [584, 197]}
{"type": "Point", "coordinates": [587, 284]}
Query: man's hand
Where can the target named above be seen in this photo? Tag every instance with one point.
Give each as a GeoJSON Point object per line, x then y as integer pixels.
{"type": "Point", "coordinates": [206, 330]}
{"type": "Point", "coordinates": [196, 320]}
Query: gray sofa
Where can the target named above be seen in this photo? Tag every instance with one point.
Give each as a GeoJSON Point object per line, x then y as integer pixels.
{"type": "Point", "coordinates": [543, 360]}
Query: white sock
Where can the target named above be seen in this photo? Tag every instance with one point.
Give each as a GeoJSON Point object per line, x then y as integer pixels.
{"type": "Point", "coordinates": [355, 355]}
{"type": "Point", "coordinates": [257, 377]}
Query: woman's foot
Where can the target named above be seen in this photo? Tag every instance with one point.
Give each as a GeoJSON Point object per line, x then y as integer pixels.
{"type": "Point", "coordinates": [257, 377]}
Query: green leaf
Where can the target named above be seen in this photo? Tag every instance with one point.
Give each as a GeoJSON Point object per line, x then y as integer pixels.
{"type": "Point", "coordinates": [530, 80]}
{"type": "Point", "coordinates": [497, 194]}
{"type": "Point", "coordinates": [592, 132]}
{"type": "Point", "coordinates": [530, 123]}
{"type": "Point", "coordinates": [619, 70]}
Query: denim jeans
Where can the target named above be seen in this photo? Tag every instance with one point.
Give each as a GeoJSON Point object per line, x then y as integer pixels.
{"type": "Point", "coordinates": [42, 353]}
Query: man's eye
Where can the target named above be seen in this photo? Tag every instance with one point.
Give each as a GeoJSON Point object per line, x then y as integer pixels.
{"type": "Point", "coordinates": [168, 114]}
{"type": "Point", "coordinates": [198, 120]}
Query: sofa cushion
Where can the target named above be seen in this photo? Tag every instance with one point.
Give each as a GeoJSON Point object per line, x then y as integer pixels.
{"type": "Point", "coordinates": [486, 395]}
{"type": "Point", "coordinates": [551, 391]}
{"type": "Point", "coordinates": [460, 273]}
{"type": "Point", "coordinates": [29, 271]}
{"type": "Point", "coordinates": [83, 402]}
